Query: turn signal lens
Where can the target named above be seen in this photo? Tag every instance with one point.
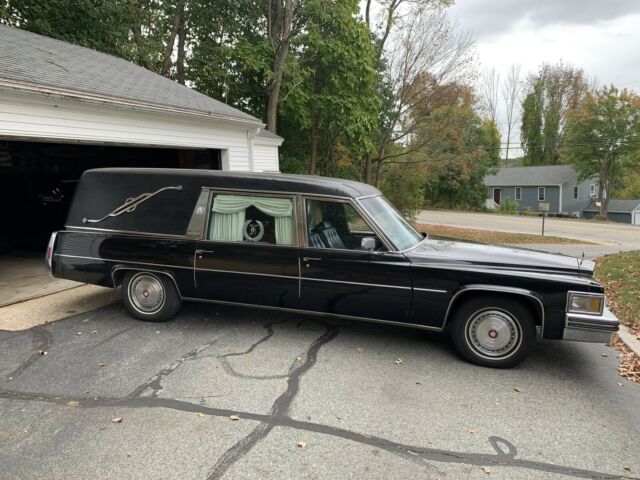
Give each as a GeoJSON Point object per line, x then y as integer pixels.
{"type": "Point", "coordinates": [586, 303]}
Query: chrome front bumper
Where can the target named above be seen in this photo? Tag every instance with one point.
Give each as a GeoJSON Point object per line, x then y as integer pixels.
{"type": "Point", "coordinates": [590, 328]}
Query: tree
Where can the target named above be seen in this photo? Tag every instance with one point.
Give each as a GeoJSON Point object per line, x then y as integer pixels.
{"type": "Point", "coordinates": [489, 93]}
{"type": "Point", "coordinates": [426, 51]}
{"type": "Point", "coordinates": [551, 93]}
{"type": "Point", "coordinates": [457, 149]}
{"type": "Point", "coordinates": [510, 95]}
{"type": "Point", "coordinates": [603, 138]}
{"type": "Point", "coordinates": [280, 32]}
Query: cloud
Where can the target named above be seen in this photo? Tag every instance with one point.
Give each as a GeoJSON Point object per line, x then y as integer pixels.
{"type": "Point", "coordinates": [493, 17]}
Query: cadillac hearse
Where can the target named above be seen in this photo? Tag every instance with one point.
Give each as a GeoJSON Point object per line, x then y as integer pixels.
{"type": "Point", "coordinates": [320, 246]}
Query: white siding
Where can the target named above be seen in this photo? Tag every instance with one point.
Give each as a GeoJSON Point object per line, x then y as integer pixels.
{"type": "Point", "coordinates": [29, 117]}
{"type": "Point", "coordinates": [265, 158]}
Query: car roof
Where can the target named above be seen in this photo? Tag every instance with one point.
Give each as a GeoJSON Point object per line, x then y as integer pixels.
{"type": "Point", "coordinates": [276, 182]}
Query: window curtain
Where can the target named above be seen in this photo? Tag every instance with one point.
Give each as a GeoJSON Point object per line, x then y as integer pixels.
{"type": "Point", "coordinates": [229, 217]}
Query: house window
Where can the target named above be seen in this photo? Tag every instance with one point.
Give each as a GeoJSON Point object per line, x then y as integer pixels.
{"type": "Point", "coordinates": [575, 192]}
{"type": "Point", "coordinates": [592, 190]}
{"type": "Point", "coordinates": [518, 193]}
{"type": "Point", "coordinates": [541, 194]}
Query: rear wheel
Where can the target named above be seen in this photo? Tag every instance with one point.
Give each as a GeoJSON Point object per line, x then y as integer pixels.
{"type": "Point", "coordinates": [493, 331]}
{"type": "Point", "coordinates": [150, 296]}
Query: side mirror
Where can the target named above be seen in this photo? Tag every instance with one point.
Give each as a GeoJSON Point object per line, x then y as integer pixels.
{"type": "Point", "coordinates": [368, 244]}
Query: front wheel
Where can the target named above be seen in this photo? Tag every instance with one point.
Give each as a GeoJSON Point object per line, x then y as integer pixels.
{"type": "Point", "coordinates": [149, 296]}
{"type": "Point", "coordinates": [494, 332]}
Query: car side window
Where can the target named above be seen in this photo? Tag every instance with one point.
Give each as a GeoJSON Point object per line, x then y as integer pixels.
{"type": "Point", "coordinates": [251, 219]}
{"type": "Point", "coordinates": [337, 225]}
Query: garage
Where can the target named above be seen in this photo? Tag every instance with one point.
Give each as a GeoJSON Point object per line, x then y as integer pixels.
{"type": "Point", "coordinates": [65, 109]}
{"type": "Point", "coordinates": [620, 210]}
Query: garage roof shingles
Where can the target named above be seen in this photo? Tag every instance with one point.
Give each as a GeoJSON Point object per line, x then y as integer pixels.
{"type": "Point", "coordinates": [46, 62]}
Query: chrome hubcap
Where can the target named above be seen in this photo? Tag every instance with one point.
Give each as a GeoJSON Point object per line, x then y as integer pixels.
{"type": "Point", "coordinates": [146, 293]}
{"type": "Point", "coordinates": [493, 333]}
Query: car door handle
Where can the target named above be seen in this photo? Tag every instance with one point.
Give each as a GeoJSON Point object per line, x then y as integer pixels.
{"type": "Point", "coordinates": [310, 259]}
{"type": "Point", "coordinates": [200, 252]}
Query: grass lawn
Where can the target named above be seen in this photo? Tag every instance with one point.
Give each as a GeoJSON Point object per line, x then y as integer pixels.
{"type": "Point", "coordinates": [488, 236]}
{"type": "Point", "coordinates": [620, 275]}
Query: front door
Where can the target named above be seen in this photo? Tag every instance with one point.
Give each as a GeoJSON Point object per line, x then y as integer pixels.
{"type": "Point", "coordinates": [338, 277]}
{"type": "Point", "coordinates": [496, 195]}
{"type": "Point", "coordinates": [249, 254]}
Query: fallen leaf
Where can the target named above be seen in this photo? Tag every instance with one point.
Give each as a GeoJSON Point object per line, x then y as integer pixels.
{"type": "Point", "coordinates": [620, 384]}
{"type": "Point", "coordinates": [93, 332]}
{"type": "Point", "coordinates": [474, 430]}
{"type": "Point", "coordinates": [418, 383]}
{"type": "Point", "coordinates": [497, 403]}
{"type": "Point", "coordinates": [200, 414]}
{"type": "Point", "coordinates": [627, 468]}
{"type": "Point", "coordinates": [359, 349]}
{"type": "Point", "coordinates": [604, 355]}
{"type": "Point", "coordinates": [116, 420]}
{"type": "Point", "coordinates": [399, 361]}
{"type": "Point", "coordinates": [234, 418]}
{"type": "Point", "coordinates": [72, 403]}
{"type": "Point", "coordinates": [302, 444]}
{"type": "Point", "coordinates": [486, 470]}
{"type": "Point", "coordinates": [41, 352]}
{"type": "Point", "coordinates": [227, 348]}
{"type": "Point", "coordinates": [518, 389]}
{"type": "Point", "coordinates": [102, 364]}
{"type": "Point", "coordinates": [78, 333]}
{"type": "Point", "coordinates": [157, 331]}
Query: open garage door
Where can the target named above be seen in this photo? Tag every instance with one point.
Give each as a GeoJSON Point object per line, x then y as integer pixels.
{"type": "Point", "coordinates": [37, 181]}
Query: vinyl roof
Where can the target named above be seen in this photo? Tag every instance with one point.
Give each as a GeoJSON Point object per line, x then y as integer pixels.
{"type": "Point", "coordinates": [530, 176]}
{"type": "Point", "coordinates": [276, 182]}
{"type": "Point", "coordinates": [33, 60]}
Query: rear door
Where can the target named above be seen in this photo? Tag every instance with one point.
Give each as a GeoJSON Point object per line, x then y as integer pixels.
{"type": "Point", "coordinates": [338, 277]}
{"type": "Point", "coordinates": [249, 254]}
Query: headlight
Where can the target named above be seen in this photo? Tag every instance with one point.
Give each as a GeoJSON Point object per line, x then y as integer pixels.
{"type": "Point", "coordinates": [590, 303]}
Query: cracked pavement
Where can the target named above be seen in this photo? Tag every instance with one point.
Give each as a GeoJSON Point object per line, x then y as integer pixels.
{"type": "Point", "coordinates": [335, 385]}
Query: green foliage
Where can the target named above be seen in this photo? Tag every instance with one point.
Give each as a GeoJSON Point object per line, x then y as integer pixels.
{"type": "Point", "coordinates": [553, 92]}
{"type": "Point", "coordinates": [457, 151]}
{"type": "Point", "coordinates": [604, 134]}
{"type": "Point", "coordinates": [403, 185]}
{"type": "Point", "coordinates": [508, 206]}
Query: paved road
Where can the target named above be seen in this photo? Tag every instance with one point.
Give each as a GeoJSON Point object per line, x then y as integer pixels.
{"type": "Point", "coordinates": [340, 387]}
{"type": "Point", "coordinates": [614, 235]}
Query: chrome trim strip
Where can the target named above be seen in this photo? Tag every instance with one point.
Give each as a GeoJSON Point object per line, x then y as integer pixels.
{"type": "Point", "coordinates": [131, 204]}
{"type": "Point", "coordinates": [132, 262]}
{"type": "Point", "coordinates": [199, 216]}
{"type": "Point", "coordinates": [316, 313]}
{"type": "Point", "coordinates": [433, 290]}
{"type": "Point", "coordinates": [493, 288]}
{"type": "Point", "coordinates": [114, 270]}
{"type": "Point", "coordinates": [275, 192]}
{"type": "Point", "coordinates": [377, 285]}
{"type": "Point", "coordinates": [102, 231]}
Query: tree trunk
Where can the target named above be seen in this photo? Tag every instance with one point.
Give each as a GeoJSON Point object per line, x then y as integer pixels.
{"type": "Point", "coordinates": [379, 165]}
{"type": "Point", "coordinates": [182, 33]}
{"type": "Point", "coordinates": [314, 143]}
{"type": "Point", "coordinates": [279, 32]}
{"type": "Point", "coordinates": [367, 168]}
{"type": "Point", "coordinates": [168, 51]}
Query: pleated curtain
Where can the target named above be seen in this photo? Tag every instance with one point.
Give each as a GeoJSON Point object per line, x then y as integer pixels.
{"type": "Point", "coordinates": [229, 217]}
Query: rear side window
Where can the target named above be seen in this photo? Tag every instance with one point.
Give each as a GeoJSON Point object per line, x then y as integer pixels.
{"type": "Point", "coordinates": [251, 219]}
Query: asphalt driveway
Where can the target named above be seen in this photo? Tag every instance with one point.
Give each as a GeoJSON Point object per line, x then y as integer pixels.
{"type": "Point", "coordinates": [315, 399]}
{"type": "Point", "coordinates": [614, 236]}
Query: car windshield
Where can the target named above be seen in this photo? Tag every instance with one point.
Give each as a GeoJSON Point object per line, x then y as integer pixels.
{"type": "Point", "coordinates": [391, 222]}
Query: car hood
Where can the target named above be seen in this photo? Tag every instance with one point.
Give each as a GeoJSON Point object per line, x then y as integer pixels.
{"type": "Point", "coordinates": [476, 254]}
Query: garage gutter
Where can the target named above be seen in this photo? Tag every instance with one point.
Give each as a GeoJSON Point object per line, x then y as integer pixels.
{"type": "Point", "coordinates": [85, 97]}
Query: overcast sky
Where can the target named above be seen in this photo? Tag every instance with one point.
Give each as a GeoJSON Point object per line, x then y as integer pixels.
{"type": "Point", "coordinates": [600, 36]}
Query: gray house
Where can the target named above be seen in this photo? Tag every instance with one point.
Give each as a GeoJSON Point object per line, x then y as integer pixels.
{"type": "Point", "coordinates": [557, 185]}
{"type": "Point", "coordinates": [624, 211]}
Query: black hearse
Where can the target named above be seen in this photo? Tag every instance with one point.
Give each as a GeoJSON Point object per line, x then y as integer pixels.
{"type": "Point", "coordinates": [321, 246]}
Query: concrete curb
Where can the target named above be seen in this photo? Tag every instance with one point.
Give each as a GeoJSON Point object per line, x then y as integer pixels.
{"type": "Point", "coordinates": [629, 340]}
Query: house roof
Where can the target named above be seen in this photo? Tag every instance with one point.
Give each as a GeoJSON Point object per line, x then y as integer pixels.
{"type": "Point", "coordinates": [617, 206]}
{"type": "Point", "coordinates": [530, 176]}
{"type": "Point", "coordinates": [34, 62]}
{"type": "Point", "coordinates": [264, 133]}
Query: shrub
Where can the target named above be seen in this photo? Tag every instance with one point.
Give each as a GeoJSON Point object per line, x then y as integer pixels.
{"type": "Point", "coordinates": [508, 206]}
{"type": "Point", "coordinates": [404, 187]}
